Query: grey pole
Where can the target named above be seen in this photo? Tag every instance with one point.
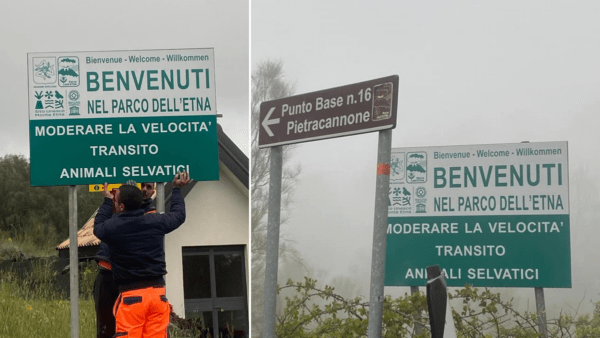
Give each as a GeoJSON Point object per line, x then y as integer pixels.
{"type": "Point", "coordinates": [160, 197]}
{"type": "Point", "coordinates": [379, 234]}
{"type": "Point", "coordinates": [540, 305]}
{"type": "Point", "coordinates": [73, 261]}
{"type": "Point", "coordinates": [418, 327]}
{"type": "Point", "coordinates": [272, 250]}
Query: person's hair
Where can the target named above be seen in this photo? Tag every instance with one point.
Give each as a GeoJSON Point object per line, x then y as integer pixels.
{"type": "Point", "coordinates": [131, 197]}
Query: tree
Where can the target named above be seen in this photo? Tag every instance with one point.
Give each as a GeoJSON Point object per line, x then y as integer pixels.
{"type": "Point", "coordinates": [39, 213]}
{"type": "Point", "coordinates": [268, 83]}
{"type": "Point", "coordinates": [14, 196]}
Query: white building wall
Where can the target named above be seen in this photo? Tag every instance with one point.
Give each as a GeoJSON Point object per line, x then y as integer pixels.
{"type": "Point", "coordinates": [216, 214]}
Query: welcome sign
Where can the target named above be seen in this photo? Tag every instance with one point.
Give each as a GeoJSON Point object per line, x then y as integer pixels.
{"type": "Point", "coordinates": [112, 116]}
{"type": "Point", "coordinates": [489, 215]}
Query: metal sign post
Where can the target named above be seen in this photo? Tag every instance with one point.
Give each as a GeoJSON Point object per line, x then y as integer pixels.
{"type": "Point", "coordinates": [418, 327]}
{"type": "Point", "coordinates": [540, 305]}
{"type": "Point", "coordinates": [379, 234]}
{"type": "Point", "coordinates": [272, 250]}
{"type": "Point", "coordinates": [160, 197]}
{"type": "Point", "coordinates": [74, 262]}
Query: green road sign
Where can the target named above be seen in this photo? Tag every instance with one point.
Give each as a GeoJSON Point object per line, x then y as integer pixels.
{"type": "Point", "coordinates": [489, 215]}
{"type": "Point", "coordinates": [121, 115]}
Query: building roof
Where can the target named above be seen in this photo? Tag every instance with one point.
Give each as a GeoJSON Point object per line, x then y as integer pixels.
{"type": "Point", "coordinates": [85, 235]}
{"type": "Point", "coordinates": [229, 154]}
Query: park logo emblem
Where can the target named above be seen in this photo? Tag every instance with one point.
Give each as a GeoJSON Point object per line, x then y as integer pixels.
{"type": "Point", "coordinates": [421, 200]}
{"type": "Point", "coordinates": [68, 72]}
{"type": "Point", "coordinates": [382, 103]}
{"type": "Point", "coordinates": [74, 102]}
{"type": "Point", "coordinates": [397, 168]}
{"type": "Point", "coordinates": [416, 167]}
{"type": "Point", "coordinates": [49, 102]}
{"type": "Point", "coordinates": [402, 199]}
{"type": "Point", "coordinates": [44, 70]}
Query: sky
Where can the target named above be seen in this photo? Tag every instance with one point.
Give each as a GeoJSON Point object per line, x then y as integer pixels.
{"type": "Point", "coordinates": [470, 72]}
{"type": "Point", "coordinates": [67, 25]}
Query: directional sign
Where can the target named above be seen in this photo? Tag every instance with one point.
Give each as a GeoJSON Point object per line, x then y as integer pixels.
{"type": "Point", "coordinates": [114, 116]}
{"type": "Point", "coordinates": [490, 215]}
{"type": "Point", "coordinates": [353, 109]}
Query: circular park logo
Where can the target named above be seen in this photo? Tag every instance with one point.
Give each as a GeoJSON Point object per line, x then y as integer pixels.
{"type": "Point", "coordinates": [73, 95]}
{"type": "Point", "coordinates": [421, 192]}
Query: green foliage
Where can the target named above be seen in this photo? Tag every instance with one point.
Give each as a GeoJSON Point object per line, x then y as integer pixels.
{"type": "Point", "coordinates": [313, 312]}
{"type": "Point", "coordinates": [320, 312]}
{"type": "Point", "coordinates": [188, 328]}
{"type": "Point", "coordinates": [39, 282]}
{"type": "Point", "coordinates": [10, 251]}
{"type": "Point", "coordinates": [25, 317]}
{"type": "Point", "coordinates": [87, 275]}
{"type": "Point", "coordinates": [38, 240]}
{"type": "Point", "coordinates": [37, 217]}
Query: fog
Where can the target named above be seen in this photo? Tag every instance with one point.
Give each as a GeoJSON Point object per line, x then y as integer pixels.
{"type": "Point", "coordinates": [470, 73]}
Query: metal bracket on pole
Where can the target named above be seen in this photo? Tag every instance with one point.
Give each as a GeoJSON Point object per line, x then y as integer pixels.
{"type": "Point", "coordinates": [418, 326]}
{"type": "Point", "coordinates": [540, 305]}
{"type": "Point", "coordinates": [384, 153]}
{"type": "Point", "coordinates": [272, 249]}
{"type": "Point", "coordinates": [73, 262]}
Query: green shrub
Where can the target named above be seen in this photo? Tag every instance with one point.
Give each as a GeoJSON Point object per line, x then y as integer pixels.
{"type": "Point", "coordinates": [87, 275]}
{"type": "Point", "coordinates": [11, 251]}
{"type": "Point", "coordinates": [188, 328]}
{"type": "Point", "coordinates": [37, 282]}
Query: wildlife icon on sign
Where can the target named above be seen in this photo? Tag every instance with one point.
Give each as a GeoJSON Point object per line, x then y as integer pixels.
{"type": "Point", "coordinates": [397, 168]}
{"type": "Point", "coordinates": [416, 168]}
{"type": "Point", "coordinates": [68, 71]}
{"type": "Point", "coordinates": [44, 70]}
{"type": "Point", "coordinates": [401, 197]}
{"type": "Point", "coordinates": [49, 99]}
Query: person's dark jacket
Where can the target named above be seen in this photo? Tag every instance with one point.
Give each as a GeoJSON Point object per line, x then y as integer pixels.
{"type": "Point", "coordinates": [148, 205]}
{"type": "Point", "coordinates": [103, 253]}
{"type": "Point", "coordinates": [136, 241]}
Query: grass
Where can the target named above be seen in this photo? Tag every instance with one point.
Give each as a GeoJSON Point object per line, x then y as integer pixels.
{"type": "Point", "coordinates": [31, 304]}
{"type": "Point", "coordinates": [41, 317]}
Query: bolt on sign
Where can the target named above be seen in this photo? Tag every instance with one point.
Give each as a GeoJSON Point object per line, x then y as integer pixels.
{"type": "Point", "coordinates": [489, 215]}
{"type": "Point", "coordinates": [112, 116]}
{"type": "Point", "coordinates": [353, 109]}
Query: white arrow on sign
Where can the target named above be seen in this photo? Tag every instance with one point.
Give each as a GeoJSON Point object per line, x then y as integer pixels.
{"type": "Point", "coordinates": [266, 122]}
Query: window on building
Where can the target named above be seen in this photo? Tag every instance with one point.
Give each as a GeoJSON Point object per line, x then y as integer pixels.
{"type": "Point", "coordinates": [214, 286]}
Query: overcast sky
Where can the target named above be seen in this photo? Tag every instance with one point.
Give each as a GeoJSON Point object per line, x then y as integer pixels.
{"type": "Point", "coordinates": [471, 72]}
{"type": "Point", "coordinates": [61, 25]}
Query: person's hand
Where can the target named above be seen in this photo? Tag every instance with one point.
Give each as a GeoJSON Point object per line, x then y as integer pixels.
{"type": "Point", "coordinates": [106, 192]}
{"type": "Point", "coordinates": [181, 179]}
